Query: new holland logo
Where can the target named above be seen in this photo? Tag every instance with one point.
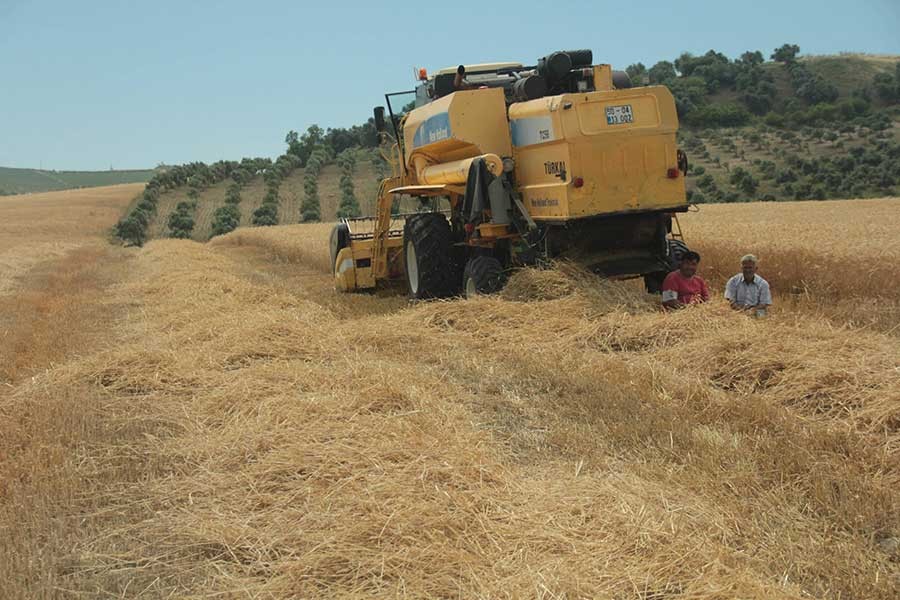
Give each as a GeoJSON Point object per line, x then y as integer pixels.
{"type": "Point", "coordinates": [438, 134]}
{"type": "Point", "coordinates": [434, 129]}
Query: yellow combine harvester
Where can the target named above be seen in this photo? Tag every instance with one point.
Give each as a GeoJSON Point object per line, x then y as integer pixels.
{"type": "Point", "coordinates": [515, 164]}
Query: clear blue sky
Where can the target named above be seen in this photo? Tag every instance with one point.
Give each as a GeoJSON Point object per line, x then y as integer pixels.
{"type": "Point", "coordinates": [86, 85]}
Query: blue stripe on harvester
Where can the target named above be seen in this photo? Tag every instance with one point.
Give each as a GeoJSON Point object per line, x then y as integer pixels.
{"type": "Point", "coordinates": [434, 129]}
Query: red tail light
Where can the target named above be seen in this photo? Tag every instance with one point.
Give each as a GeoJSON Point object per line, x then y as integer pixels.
{"type": "Point", "coordinates": [578, 182]}
{"type": "Point", "coordinates": [672, 173]}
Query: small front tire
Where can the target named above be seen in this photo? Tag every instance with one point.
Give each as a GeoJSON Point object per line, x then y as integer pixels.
{"type": "Point", "coordinates": [483, 275]}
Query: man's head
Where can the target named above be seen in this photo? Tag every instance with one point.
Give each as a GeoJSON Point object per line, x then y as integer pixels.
{"type": "Point", "coordinates": [688, 264]}
{"type": "Point", "coordinates": [749, 263]}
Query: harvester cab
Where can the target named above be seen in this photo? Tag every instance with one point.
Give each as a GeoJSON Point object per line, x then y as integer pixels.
{"type": "Point", "coordinates": [515, 164]}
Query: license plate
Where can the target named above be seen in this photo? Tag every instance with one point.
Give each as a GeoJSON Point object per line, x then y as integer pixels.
{"type": "Point", "coordinates": [616, 115]}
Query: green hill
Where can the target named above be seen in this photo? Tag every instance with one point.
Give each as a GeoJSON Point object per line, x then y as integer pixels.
{"type": "Point", "coordinates": [850, 72]}
{"type": "Point", "coordinates": [25, 181]}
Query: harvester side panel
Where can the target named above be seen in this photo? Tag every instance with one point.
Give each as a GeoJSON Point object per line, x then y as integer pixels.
{"type": "Point", "coordinates": [620, 143]}
{"type": "Point", "coordinates": [461, 125]}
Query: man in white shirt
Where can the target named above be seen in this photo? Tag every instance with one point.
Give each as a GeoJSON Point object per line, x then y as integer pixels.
{"type": "Point", "coordinates": [748, 291]}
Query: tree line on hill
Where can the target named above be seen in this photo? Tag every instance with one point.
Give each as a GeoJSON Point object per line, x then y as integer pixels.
{"type": "Point", "coordinates": [693, 81]}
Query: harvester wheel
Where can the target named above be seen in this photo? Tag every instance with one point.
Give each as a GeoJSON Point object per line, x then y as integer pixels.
{"type": "Point", "coordinates": [483, 275]}
{"type": "Point", "coordinates": [677, 248]}
{"type": "Point", "coordinates": [340, 239]}
{"type": "Point", "coordinates": [429, 257]}
{"type": "Point", "coordinates": [653, 281]}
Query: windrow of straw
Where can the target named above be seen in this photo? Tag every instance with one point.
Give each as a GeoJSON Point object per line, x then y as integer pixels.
{"type": "Point", "coordinates": [566, 439]}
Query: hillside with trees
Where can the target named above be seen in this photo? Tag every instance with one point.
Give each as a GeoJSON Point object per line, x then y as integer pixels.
{"type": "Point", "coordinates": [792, 128]}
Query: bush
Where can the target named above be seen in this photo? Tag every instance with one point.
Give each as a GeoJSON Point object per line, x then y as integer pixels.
{"type": "Point", "coordinates": [886, 87]}
{"type": "Point", "coordinates": [181, 221]}
{"type": "Point", "coordinates": [774, 120]}
{"type": "Point", "coordinates": [744, 181]}
{"type": "Point", "coordinates": [131, 230]}
{"type": "Point", "coordinates": [726, 114]}
{"type": "Point", "coordinates": [706, 182]}
{"type": "Point", "coordinates": [786, 53]}
{"type": "Point", "coordinates": [785, 176]}
{"type": "Point", "coordinates": [233, 194]}
{"type": "Point", "coordinates": [767, 168]}
{"type": "Point", "coordinates": [266, 214]}
{"type": "Point", "coordinates": [226, 218]}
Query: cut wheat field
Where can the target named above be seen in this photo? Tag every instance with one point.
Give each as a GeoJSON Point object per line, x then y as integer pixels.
{"type": "Point", "coordinates": [241, 430]}
{"type": "Point", "coordinates": [836, 259]}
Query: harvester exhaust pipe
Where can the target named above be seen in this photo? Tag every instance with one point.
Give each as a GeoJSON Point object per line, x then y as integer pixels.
{"type": "Point", "coordinates": [378, 113]}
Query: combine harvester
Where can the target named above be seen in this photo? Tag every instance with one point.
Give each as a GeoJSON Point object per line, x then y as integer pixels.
{"type": "Point", "coordinates": [516, 164]}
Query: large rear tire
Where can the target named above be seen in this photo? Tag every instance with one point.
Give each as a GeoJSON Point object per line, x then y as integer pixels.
{"type": "Point", "coordinates": [340, 239]}
{"type": "Point", "coordinates": [432, 270]}
{"type": "Point", "coordinates": [483, 275]}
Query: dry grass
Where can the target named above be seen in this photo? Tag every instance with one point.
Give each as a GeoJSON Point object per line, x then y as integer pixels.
{"type": "Point", "coordinates": [55, 311]}
{"type": "Point", "coordinates": [39, 227]}
{"type": "Point", "coordinates": [252, 434]}
{"type": "Point", "coordinates": [53, 307]}
{"type": "Point", "coordinates": [291, 243]}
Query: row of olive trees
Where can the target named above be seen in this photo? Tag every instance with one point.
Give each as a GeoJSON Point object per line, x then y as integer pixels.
{"type": "Point", "coordinates": [181, 221]}
{"type": "Point", "coordinates": [314, 149]}
{"type": "Point", "coordinates": [349, 206]}
{"type": "Point", "coordinates": [227, 218]}
{"type": "Point", "coordinates": [310, 209]}
{"type": "Point", "coordinates": [267, 213]}
{"type": "Point", "coordinates": [132, 228]}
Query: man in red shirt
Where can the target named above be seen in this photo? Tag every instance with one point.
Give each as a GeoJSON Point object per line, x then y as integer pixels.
{"type": "Point", "coordinates": [683, 287]}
